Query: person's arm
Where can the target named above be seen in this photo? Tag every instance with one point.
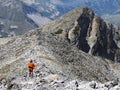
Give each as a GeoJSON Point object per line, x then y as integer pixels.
{"type": "Point", "coordinates": [34, 66]}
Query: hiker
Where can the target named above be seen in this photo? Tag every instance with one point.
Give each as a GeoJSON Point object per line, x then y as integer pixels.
{"type": "Point", "coordinates": [31, 66]}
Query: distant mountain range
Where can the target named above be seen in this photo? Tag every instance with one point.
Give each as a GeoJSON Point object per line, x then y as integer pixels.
{"type": "Point", "coordinates": [20, 16]}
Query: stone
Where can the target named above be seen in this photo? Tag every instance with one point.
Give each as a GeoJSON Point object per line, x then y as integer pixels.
{"type": "Point", "coordinates": [93, 84]}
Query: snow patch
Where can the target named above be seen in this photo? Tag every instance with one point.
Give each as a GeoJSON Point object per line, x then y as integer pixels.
{"type": "Point", "coordinates": [58, 2]}
{"type": "Point", "coordinates": [38, 19]}
{"type": "Point", "coordinates": [13, 26]}
{"type": "Point", "coordinates": [30, 2]}
{"type": "Point", "coordinates": [12, 34]}
{"type": "Point", "coordinates": [1, 23]}
{"type": "Point", "coordinates": [55, 14]}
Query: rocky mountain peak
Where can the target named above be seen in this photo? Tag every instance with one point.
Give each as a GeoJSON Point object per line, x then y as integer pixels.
{"type": "Point", "coordinates": [90, 33]}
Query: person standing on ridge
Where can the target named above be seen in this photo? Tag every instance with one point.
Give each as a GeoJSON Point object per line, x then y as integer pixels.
{"type": "Point", "coordinates": [31, 66]}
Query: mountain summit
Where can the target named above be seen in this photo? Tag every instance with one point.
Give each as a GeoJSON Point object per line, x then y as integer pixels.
{"type": "Point", "coordinates": [57, 48]}
{"type": "Point", "coordinates": [87, 31]}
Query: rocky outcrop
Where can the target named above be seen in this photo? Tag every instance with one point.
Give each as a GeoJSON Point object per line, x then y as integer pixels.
{"type": "Point", "coordinates": [94, 36]}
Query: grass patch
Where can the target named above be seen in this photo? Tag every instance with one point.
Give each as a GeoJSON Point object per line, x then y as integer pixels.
{"type": "Point", "coordinates": [76, 30]}
{"type": "Point", "coordinates": [98, 20]}
{"type": "Point", "coordinates": [59, 31]}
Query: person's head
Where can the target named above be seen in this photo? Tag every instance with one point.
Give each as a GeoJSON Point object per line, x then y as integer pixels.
{"type": "Point", "coordinates": [31, 61]}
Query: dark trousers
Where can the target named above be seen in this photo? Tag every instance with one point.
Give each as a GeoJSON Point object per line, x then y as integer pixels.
{"type": "Point", "coordinates": [30, 72]}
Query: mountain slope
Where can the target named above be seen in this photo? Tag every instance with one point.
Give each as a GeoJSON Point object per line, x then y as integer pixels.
{"type": "Point", "coordinates": [17, 18]}
{"type": "Point", "coordinates": [12, 18]}
{"type": "Point", "coordinates": [59, 62]}
{"type": "Point", "coordinates": [20, 16]}
{"type": "Point", "coordinates": [52, 43]}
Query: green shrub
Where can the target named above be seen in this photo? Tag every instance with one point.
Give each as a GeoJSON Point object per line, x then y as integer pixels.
{"type": "Point", "coordinates": [59, 31]}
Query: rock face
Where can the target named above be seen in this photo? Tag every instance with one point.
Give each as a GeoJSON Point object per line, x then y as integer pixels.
{"type": "Point", "coordinates": [54, 48]}
{"type": "Point", "coordinates": [94, 36]}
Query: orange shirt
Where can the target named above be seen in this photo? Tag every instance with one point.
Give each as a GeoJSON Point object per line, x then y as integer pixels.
{"type": "Point", "coordinates": [31, 65]}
